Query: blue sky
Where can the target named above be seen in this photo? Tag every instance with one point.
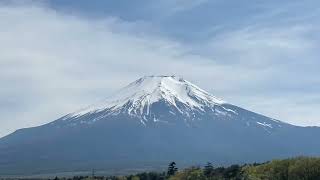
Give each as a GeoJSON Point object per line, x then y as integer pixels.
{"type": "Point", "coordinates": [61, 55]}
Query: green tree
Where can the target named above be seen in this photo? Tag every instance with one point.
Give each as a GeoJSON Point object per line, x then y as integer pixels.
{"type": "Point", "coordinates": [172, 169]}
{"type": "Point", "coordinates": [302, 168]}
{"type": "Point", "coordinates": [234, 171]}
{"type": "Point", "coordinates": [135, 178]}
{"type": "Point", "coordinates": [193, 173]}
{"type": "Point", "coordinates": [208, 169]}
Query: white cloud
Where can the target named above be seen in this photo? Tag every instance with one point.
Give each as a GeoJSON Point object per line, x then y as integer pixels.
{"type": "Point", "coordinates": [281, 64]}
{"type": "Point", "coordinates": [53, 63]}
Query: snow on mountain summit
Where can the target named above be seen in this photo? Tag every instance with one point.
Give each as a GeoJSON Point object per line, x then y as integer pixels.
{"type": "Point", "coordinates": [153, 100]}
{"type": "Point", "coordinates": [142, 93]}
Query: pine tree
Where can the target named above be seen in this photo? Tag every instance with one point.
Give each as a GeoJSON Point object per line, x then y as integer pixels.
{"type": "Point", "coordinates": [208, 169]}
{"type": "Point", "coordinates": [172, 169]}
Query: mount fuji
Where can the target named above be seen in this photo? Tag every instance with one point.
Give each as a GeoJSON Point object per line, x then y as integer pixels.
{"type": "Point", "coordinates": [150, 122]}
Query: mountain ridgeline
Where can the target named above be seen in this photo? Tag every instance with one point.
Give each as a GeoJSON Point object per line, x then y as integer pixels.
{"type": "Point", "coordinates": [150, 122]}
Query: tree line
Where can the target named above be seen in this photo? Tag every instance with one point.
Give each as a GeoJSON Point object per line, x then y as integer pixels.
{"type": "Point", "coordinates": [300, 168]}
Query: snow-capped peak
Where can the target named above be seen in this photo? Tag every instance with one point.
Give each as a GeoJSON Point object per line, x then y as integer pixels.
{"type": "Point", "coordinates": [150, 89]}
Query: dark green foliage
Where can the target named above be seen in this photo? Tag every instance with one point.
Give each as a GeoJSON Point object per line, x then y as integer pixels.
{"type": "Point", "coordinates": [233, 171]}
{"type": "Point", "coordinates": [301, 168]}
{"type": "Point", "coordinates": [172, 169]}
{"type": "Point", "coordinates": [208, 170]}
{"type": "Point", "coordinates": [189, 174]}
{"type": "Point", "coordinates": [147, 176]}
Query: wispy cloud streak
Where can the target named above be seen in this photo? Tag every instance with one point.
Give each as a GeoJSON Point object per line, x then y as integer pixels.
{"type": "Point", "coordinates": [52, 63]}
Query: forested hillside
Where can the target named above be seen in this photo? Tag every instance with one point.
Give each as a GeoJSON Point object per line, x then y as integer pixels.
{"type": "Point", "coordinates": [300, 168]}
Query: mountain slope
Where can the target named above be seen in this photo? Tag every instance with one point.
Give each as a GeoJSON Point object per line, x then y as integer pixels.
{"type": "Point", "coordinates": [154, 99]}
{"type": "Point", "coordinates": [152, 121]}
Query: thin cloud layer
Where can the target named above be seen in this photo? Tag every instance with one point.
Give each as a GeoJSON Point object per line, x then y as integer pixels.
{"type": "Point", "coordinates": [53, 63]}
